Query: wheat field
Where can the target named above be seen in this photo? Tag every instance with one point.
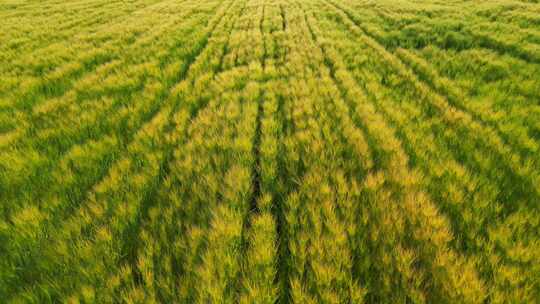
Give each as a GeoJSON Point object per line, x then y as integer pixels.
{"type": "Point", "coordinates": [269, 151]}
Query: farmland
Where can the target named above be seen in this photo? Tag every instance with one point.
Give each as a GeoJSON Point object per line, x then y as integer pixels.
{"type": "Point", "coordinates": [269, 151]}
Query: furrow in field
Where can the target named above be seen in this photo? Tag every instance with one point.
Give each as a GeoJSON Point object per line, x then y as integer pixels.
{"type": "Point", "coordinates": [314, 216]}
{"type": "Point", "coordinates": [282, 185]}
{"type": "Point", "coordinates": [258, 259]}
{"type": "Point", "coordinates": [269, 235]}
